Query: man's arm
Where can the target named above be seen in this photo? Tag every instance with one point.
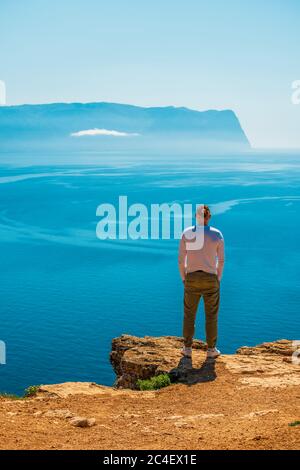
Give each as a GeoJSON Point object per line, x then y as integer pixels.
{"type": "Point", "coordinates": [221, 258]}
{"type": "Point", "coordinates": [182, 258]}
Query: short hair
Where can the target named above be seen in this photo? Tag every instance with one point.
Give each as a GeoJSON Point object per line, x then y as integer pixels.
{"type": "Point", "coordinates": [203, 210]}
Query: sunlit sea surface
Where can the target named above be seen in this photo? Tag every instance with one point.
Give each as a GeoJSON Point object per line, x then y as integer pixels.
{"type": "Point", "coordinates": [65, 294]}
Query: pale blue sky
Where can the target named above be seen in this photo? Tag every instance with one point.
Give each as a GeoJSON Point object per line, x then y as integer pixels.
{"type": "Point", "coordinates": [238, 54]}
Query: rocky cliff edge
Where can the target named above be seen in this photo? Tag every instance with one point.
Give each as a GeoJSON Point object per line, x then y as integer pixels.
{"type": "Point", "coordinates": [247, 400]}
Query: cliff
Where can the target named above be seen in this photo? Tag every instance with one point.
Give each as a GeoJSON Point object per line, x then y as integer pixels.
{"type": "Point", "coordinates": [268, 364]}
{"type": "Point", "coordinates": [247, 400]}
{"type": "Point", "coordinates": [116, 126]}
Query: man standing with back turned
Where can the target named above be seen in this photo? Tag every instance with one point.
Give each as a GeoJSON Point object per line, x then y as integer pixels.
{"type": "Point", "coordinates": [201, 263]}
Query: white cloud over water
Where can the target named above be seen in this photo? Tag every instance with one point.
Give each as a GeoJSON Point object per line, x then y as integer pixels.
{"type": "Point", "coordinates": [106, 132]}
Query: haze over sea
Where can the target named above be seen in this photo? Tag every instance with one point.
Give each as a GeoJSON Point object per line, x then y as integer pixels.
{"type": "Point", "coordinates": [65, 294]}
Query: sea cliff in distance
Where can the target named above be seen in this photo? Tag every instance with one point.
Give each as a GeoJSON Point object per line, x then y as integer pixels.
{"type": "Point", "coordinates": [112, 126]}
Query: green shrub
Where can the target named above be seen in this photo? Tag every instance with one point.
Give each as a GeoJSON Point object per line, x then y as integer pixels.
{"type": "Point", "coordinates": [295, 423]}
{"type": "Point", "coordinates": [31, 391]}
{"type": "Point", "coordinates": [28, 392]}
{"type": "Point", "coordinates": [156, 382]}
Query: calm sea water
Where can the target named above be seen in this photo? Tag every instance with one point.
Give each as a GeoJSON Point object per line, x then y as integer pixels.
{"type": "Point", "coordinates": [65, 294]}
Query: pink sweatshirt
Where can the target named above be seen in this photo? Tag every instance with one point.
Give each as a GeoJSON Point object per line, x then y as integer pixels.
{"type": "Point", "coordinates": [201, 248]}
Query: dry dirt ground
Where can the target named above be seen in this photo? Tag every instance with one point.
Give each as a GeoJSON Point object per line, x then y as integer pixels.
{"type": "Point", "coordinates": [223, 413]}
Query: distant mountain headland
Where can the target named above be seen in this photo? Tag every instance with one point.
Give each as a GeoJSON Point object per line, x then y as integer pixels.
{"type": "Point", "coordinates": [119, 126]}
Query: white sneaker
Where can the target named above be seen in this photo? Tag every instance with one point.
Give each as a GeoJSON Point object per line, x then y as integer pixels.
{"type": "Point", "coordinates": [212, 353]}
{"type": "Point", "coordinates": [187, 352]}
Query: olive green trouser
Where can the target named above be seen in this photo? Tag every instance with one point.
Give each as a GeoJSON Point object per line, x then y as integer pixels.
{"type": "Point", "coordinates": [199, 284]}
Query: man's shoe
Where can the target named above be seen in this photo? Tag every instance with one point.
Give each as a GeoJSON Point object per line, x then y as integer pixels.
{"type": "Point", "coordinates": [186, 352]}
{"type": "Point", "coordinates": [213, 353]}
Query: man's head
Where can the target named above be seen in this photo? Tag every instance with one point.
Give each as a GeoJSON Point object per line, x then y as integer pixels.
{"type": "Point", "coordinates": [203, 214]}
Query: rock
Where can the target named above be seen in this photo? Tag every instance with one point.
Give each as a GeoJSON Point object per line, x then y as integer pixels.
{"type": "Point", "coordinates": [63, 414]}
{"type": "Point", "coordinates": [65, 389]}
{"type": "Point", "coordinates": [190, 420]}
{"type": "Point", "coordinates": [184, 425]}
{"type": "Point", "coordinates": [68, 389]}
{"type": "Point", "coordinates": [80, 422]}
{"type": "Point", "coordinates": [282, 347]}
{"type": "Point", "coordinates": [141, 358]}
{"type": "Point", "coordinates": [149, 429]}
{"type": "Point", "coordinates": [195, 417]}
{"type": "Point", "coordinates": [265, 365]}
{"type": "Point", "coordinates": [257, 414]}
{"type": "Point", "coordinates": [276, 381]}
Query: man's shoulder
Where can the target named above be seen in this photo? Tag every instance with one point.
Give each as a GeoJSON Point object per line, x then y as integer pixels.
{"type": "Point", "coordinates": [217, 232]}
{"type": "Point", "coordinates": [188, 231]}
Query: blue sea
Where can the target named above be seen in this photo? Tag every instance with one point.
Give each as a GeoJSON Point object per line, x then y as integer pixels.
{"type": "Point", "coordinates": [65, 294]}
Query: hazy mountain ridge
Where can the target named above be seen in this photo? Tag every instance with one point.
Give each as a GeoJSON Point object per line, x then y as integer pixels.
{"type": "Point", "coordinates": [49, 123]}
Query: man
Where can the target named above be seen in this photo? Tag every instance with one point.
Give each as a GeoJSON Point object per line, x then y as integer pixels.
{"type": "Point", "coordinates": [201, 263]}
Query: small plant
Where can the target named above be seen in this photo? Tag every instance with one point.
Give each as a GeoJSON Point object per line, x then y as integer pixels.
{"type": "Point", "coordinates": [10, 396]}
{"type": "Point", "coordinates": [294, 423]}
{"type": "Point", "coordinates": [156, 382]}
{"type": "Point", "coordinates": [31, 391]}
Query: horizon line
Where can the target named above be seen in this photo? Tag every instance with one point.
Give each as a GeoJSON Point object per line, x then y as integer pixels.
{"type": "Point", "coordinates": [118, 103]}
